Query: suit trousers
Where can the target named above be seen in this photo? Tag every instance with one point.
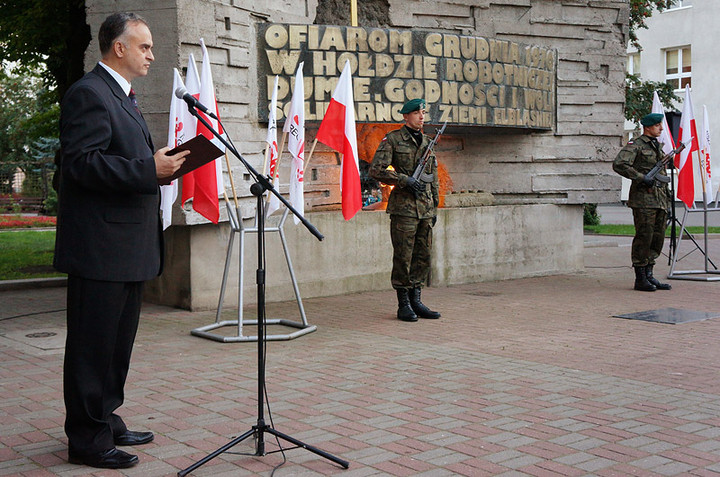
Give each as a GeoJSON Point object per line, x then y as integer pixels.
{"type": "Point", "coordinates": [102, 321]}
{"type": "Point", "coordinates": [412, 240]}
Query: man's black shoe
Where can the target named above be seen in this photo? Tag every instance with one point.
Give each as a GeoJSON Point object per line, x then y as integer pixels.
{"type": "Point", "coordinates": [133, 438]}
{"type": "Point", "coordinates": [110, 459]}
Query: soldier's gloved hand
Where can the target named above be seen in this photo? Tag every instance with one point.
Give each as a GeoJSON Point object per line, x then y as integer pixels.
{"type": "Point", "coordinates": [647, 181]}
{"type": "Point", "coordinates": [416, 185]}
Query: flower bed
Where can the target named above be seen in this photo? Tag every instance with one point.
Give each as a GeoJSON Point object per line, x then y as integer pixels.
{"type": "Point", "coordinates": [26, 221]}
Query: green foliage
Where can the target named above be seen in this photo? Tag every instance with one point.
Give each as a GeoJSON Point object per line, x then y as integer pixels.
{"type": "Point", "coordinates": [30, 112]}
{"type": "Point", "coordinates": [590, 215]}
{"type": "Point", "coordinates": [51, 203]}
{"type": "Point", "coordinates": [52, 35]}
{"type": "Point", "coordinates": [28, 131]}
{"type": "Point", "coordinates": [639, 97]}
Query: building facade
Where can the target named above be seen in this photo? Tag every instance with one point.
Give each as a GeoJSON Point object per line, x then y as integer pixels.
{"type": "Point", "coordinates": [679, 48]}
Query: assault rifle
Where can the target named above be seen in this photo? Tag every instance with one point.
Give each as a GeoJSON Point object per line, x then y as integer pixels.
{"type": "Point", "coordinates": [653, 176]}
{"type": "Point", "coordinates": [420, 173]}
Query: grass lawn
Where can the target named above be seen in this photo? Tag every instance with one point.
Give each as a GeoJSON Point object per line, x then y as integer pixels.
{"type": "Point", "coordinates": [27, 254]}
{"type": "Point", "coordinates": [616, 229]}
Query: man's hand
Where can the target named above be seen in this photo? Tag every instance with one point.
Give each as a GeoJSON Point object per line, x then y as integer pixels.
{"type": "Point", "coordinates": [647, 181]}
{"type": "Point", "coordinates": [418, 187]}
{"type": "Point", "coordinates": [166, 165]}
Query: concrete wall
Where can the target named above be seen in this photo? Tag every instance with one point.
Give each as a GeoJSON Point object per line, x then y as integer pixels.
{"type": "Point", "coordinates": [569, 165]}
{"type": "Point", "coordinates": [471, 244]}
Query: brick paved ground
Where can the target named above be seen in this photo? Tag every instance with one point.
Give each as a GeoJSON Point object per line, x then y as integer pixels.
{"type": "Point", "coordinates": [519, 377]}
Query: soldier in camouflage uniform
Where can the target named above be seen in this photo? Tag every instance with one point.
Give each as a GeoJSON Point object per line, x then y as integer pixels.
{"type": "Point", "coordinates": [649, 200]}
{"type": "Point", "coordinates": [412, 207]}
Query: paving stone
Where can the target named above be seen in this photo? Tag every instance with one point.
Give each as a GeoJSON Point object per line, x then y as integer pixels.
{"type": "Point", "coordinates": [529, 377]}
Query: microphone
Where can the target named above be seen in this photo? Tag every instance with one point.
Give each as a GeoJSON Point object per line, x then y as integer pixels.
{"type": "Point", "coordinates": [183, 94]}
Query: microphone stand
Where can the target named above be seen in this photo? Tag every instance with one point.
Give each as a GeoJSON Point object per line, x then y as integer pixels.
{"type": "Point", "coordinates": [259, 430]}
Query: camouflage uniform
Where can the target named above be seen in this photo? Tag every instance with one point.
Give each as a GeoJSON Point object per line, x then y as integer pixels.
{"type": "Point", "coordinates": [411, 217]}
{"type": "Point", "coordinates": [649, 203]}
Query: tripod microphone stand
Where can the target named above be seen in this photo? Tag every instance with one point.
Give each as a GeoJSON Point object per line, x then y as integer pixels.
{"type": "Point", "coordinates": [261, 428]}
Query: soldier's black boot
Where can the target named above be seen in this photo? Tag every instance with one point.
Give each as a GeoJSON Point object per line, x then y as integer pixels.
{"type": "Point", "coordinates": [654, 281]}
{"type": "Point", "coordinates": [405, 311]}
{"type": "Point", "coordinates": [421, 310]}
{"type": "Point", "coordinates": [641, 281]}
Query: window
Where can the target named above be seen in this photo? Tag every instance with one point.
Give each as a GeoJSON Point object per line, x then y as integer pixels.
{"type": "Point", "coordinates": [678, 68]}
{"type": "Point", "coordinates": [633, 64]}
{"type": "Point", "coordinates": [679, 4]}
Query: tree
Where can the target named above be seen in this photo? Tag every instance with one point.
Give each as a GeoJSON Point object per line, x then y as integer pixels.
{"type": "Point", "coordinates": [639, 94]}
{"type": "Point", "coordinates": [52, 35]}
{"type": "Point", "coordinates": [29, 122]}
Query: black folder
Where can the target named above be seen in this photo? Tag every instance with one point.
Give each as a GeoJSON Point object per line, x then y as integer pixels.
{"type": "Point", "coordinates": [201, 150]}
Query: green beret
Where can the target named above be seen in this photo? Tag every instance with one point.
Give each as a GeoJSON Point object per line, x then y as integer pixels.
{"type": "Point", "coordinates": [651, 119]}
{"type": "Point", "coordinates": [412, 105]}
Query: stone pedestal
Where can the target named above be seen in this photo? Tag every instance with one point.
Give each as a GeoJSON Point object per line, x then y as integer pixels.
{"type": "Point", "coordinates": [471, 244]}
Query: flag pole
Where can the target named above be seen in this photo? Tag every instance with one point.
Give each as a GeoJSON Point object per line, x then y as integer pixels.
{"type": "Point", "coordinates": [312, 149]}
{"type": "Point", "coordinates": [701, 162]}
{"type": "Point", "coordinates": [282, 146]}
{"type": "Point", "coordinates": [267, 156]}
{"type": "Point", "coordinates": [277, 168]}
{"type": "Point", "coordinates": [232, 181]}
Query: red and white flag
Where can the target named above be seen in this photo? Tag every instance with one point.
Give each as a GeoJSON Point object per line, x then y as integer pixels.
{"type": "Point", "coordinates": [272, 145]}
{"type": "Point", "coordinates": [665, 137]}
{"type": "Point", "coordinates": [208, 178]}
{"type": "Point", "coordinates": [337, 130]}
{"type": "Point", "coordinates": [295, 127]}
{"type": "Point", "coordinates": [176, 135]}
{"type": "Point", "coordinates": [688, 130]}
{"type": "Point", "coordinates": [192, 84]}
{"type": "Point", "coordinates": [705, 156]}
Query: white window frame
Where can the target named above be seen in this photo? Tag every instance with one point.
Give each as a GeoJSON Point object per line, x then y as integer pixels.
{"type": "Point", "coordinates": [630, 67]}
{"type": "Point", "coordinates": [680, 75]}
{"type": "Point", "coordinates": [680, 4]}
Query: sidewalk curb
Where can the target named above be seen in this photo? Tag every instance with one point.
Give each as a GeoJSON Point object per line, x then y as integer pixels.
{"type": "Point", "coordinates": [600, 243]}
{"type": "Point", "coordinates": [31, 283]}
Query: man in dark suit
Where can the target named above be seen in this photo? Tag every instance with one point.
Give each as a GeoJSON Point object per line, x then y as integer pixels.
{"type": "Point", "coordinates": [109, 238]}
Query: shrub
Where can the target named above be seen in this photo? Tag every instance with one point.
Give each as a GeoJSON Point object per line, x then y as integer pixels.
{"type": "Point", "coordinates": [590, 215]}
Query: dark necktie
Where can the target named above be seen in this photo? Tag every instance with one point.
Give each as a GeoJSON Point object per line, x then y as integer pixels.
{"type": "Point", "coordinates": [133, 100]}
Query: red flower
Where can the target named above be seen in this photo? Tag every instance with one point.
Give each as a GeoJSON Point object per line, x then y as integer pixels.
{"type": "Point", "coordinates": [25, 221]}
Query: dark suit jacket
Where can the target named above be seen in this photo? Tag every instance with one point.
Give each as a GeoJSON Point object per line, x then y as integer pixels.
{"type": "Point", "coordinates": [108, 220]}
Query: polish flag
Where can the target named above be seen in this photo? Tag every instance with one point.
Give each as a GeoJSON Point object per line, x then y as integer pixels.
{"type": "Point", "coordinates": [208, 178]}
{"type": "Point", "coordinates": [192, 84]}
{"type": "Point", "coordinates": [688, 130]}
{"type": "Point", "coordinates": [271, 140]}
{"type": "Point", "coordinates": [295, 127]}
{"type": "Point", "coordinates": [176, 136]}
{"type": "Point", "coordinates": [337, 130]}
{"type": "Point", "coordinates": [705, 156]}
{"type": "Point", "coordinates": [665, 137]}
